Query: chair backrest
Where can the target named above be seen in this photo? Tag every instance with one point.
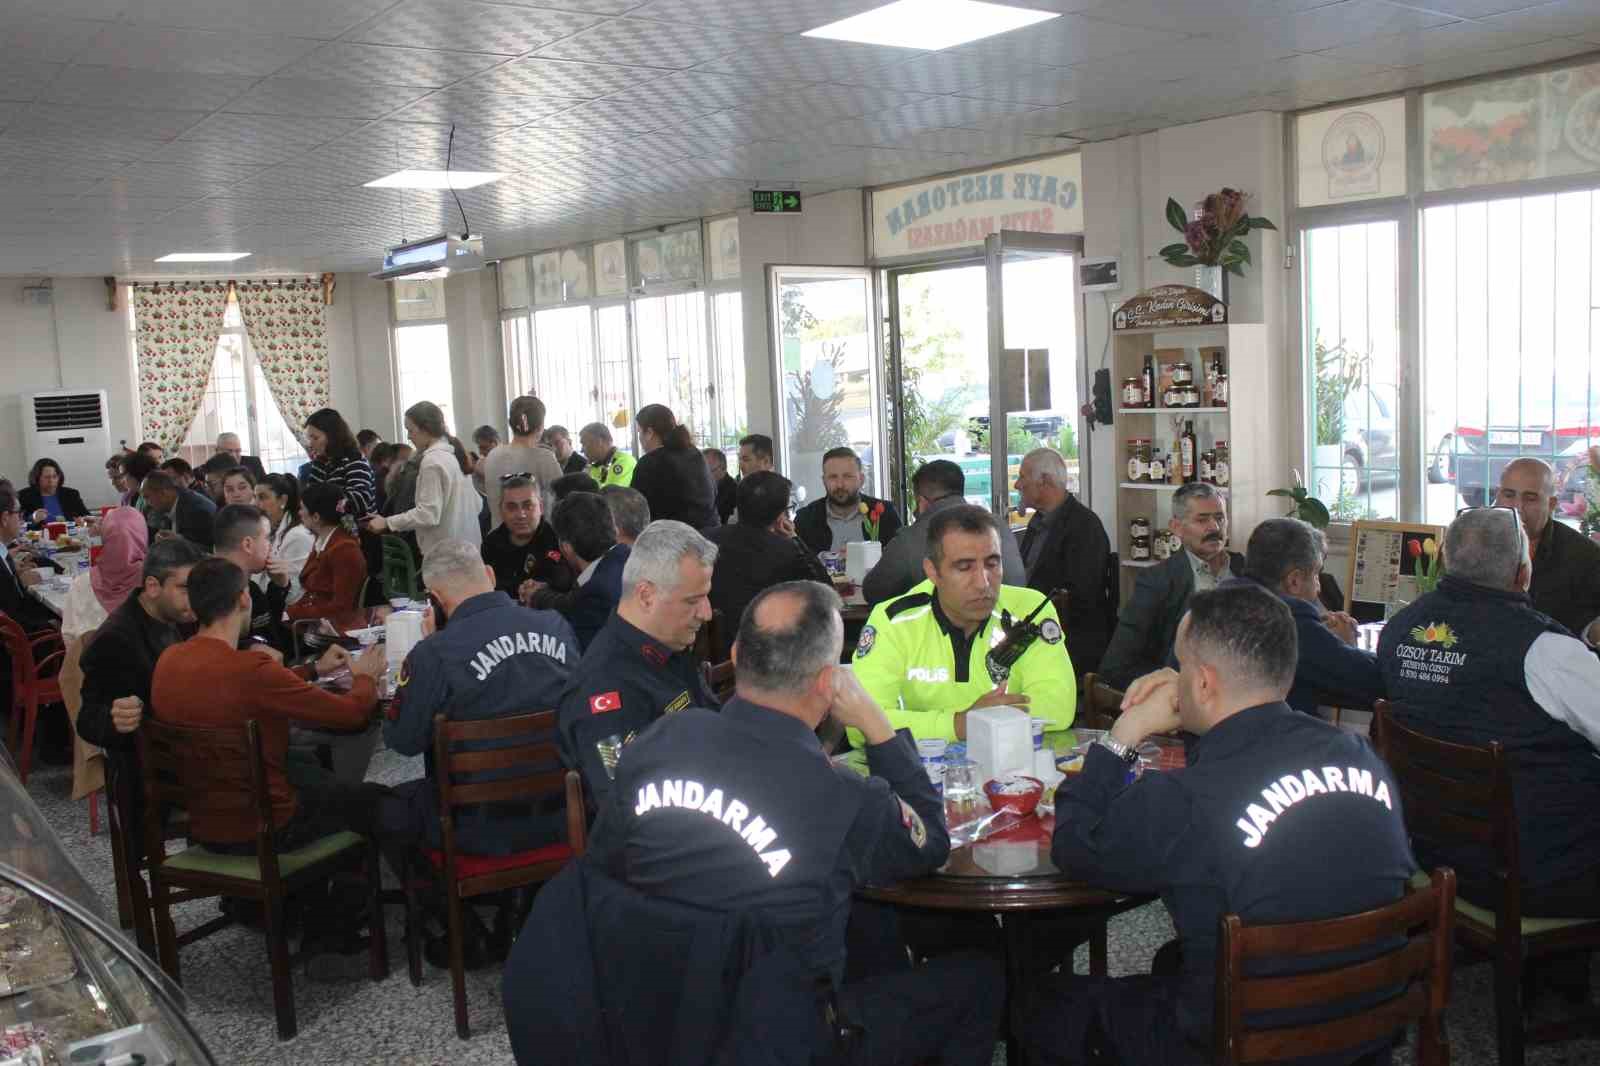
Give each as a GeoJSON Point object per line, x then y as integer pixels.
{"type": "Point", "coordinates": [399, 568]}
{"type": "Point", "coordinates": [708, 641]}
{"type": "Point", "coordinates": [525, 768]}
{"type": "Point", "coordinates": [1100, 704]}
{"type": "Point", "coordinates": [1112, 590]}
{"type": "Point", "coordinates": [17, 647]}
{"type": "Point", "coordinates": [218, 770]}
{"type": "Point", "coordinates": [719, 679]}
{"type": "Point", "coordinates": [1454, 795]}
{"type": "Point", "coordinates": [1408, 983]}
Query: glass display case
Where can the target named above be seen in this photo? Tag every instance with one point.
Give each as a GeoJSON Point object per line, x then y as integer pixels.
{"type": "Point", "coordinates": [73, 990]}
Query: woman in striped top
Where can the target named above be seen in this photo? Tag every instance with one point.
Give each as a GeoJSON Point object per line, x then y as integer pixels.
{"type": "Point", "coordinates": [336, 459]}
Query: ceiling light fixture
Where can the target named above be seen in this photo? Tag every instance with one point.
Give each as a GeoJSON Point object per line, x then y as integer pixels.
{"type": "Point", "coordinates": [435, 179]}
{"type": "Point", "coordinates": [201, 257]}
{"type": "Point", "coordinates": [930, 24]}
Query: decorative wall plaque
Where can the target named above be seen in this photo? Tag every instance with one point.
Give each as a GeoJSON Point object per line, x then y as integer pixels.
{"type": "Point", "coordinates": [1170, 305]}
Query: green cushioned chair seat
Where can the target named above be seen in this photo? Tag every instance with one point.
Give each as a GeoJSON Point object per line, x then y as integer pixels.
{"type": "Point", "coordinates": [200, 859]}
{"type": "Point", "coordinates": [1530, 926]}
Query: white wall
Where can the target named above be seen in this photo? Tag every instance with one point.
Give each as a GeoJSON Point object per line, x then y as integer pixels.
{"type": "Point", "coordinates": [829, 231]}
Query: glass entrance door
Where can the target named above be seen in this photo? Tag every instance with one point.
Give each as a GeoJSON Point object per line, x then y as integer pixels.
{"type": "Point", "coordinates": [1033, 323]}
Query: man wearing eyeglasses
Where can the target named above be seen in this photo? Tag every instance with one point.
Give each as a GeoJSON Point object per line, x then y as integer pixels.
{"type": "Point", "coordinates": [1566, 564]}
{"type": "Point", "coordinates": [1474, 663]}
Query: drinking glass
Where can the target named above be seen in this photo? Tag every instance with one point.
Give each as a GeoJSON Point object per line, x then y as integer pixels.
{"type": "Point", "coordinates": [960, 794]}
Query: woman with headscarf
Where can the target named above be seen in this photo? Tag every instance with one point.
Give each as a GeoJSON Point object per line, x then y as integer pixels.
{"type": "Point", "coordinates": [114, 576]}
{"type": "Point", "coordinates": [446, 505]}
{"type": "Point", "coordinates": [672, 474]}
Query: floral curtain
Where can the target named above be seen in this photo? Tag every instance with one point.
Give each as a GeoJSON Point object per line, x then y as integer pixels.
{"type": "Point", "coordinates": [176, 327]}
{"type": "Point", "coordinates": [288, 331]}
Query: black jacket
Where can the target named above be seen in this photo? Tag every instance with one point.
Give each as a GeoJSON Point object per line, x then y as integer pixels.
{"type": "Point", "coordinates": [18, 603]}
{"type": "Point", "coordinates": [1566, 576]}
{"type": "Point", "coordinates": [750, 560]}
{"type": "Point", "coordinates": [538, 560]}
{"type": "Point", "coordinates": [727, 498]}
{"type": "Point", "coordinates": [811, 523]}
{"type": "Point", "coordinates": [587, 606]}
{"type": "Point", "coordinates": [1070, 553]}
{"type": "Point", "coordinates": [1148, 624]}
{"type": "Point", "coordinates": [120, 661]}
{"type": "Point", "coordinates": [191, 518]}
{"type": "Point", "coordinates": [644, 981]}
{"type": "Point", "coordinates": [575, 464]}
{"type": "Point", "coordinates": [677, 485]}
{"type": "Point", "coordinates": [31, 500]}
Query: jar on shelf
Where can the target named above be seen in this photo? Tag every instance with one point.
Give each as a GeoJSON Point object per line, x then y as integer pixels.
{"type": "Point", "coordinates": [1220, 472]}
{"type": "Point", "coordinates": [1132, 392]}
{"type": "Point", "coordinates": [1158, 467]}
{"type": "Point", "coordinates": [1139, 527]}
{"type": "Point", "coordinates": [1191, 396]}
{"type": "Point", "coordinates": [1139, 549]}
{"type": "Point", "coordinates": [1181, 373]}
{"type": "Point", "coordinates": [1139, 459]}
{"type": "Point", "coordinates": [1161, 545]}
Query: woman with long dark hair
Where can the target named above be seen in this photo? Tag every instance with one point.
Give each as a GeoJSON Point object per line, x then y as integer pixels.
{"type": "Point", "coordinates": [47, 498]}
{"type": "Point", "coordinates": [672, 474]}
{"type": "Point", "coordinates": [446, 505]}
{"type": "Point", "coordinates": [336, 459]}
{"type": "Point", "coordinates": [335, 571]}
{"type": "Point", "coordinates": [278, 496]}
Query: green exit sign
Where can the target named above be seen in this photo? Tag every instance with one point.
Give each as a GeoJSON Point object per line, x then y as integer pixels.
{"type": "Point", "coordinates": [775, 201]}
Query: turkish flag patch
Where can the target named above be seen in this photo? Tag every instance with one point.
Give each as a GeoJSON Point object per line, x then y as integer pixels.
{"type": "Point", "coordinates": [601, 702]}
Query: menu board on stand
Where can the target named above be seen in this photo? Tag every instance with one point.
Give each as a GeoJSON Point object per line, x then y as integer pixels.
{"type": "Point", "coordinates": [1382, 575]}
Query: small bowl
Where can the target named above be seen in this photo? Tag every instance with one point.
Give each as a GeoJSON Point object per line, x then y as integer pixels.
{"type": "Point", "coordinates": [1020, 802]}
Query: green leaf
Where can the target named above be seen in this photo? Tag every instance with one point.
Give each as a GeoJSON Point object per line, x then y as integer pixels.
{"type": "Point", "coordinates": [1174, 249]}
{"type": "Point", "coordinates": [1240, 250]}
{"type": "Point", "coordinates": [1315, 511]}
{"type": "Point", "coordinates": [1287, 493]}
{"type": "Point", "coordinates": [1176, 215]}
{"type": "Point", "coordinates": [1235, 269]}
{"type": "Point", "coordinates": [1257, 222]}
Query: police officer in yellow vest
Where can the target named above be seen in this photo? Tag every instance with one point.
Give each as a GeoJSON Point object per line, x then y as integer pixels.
{"type": "Point", "coordinates": [608, 464]}
{"type": "Point", "coordinates": [924, 656]}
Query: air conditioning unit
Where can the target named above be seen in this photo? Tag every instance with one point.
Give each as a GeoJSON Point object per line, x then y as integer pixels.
{"type": "Point", "coordinates": [73, 427]}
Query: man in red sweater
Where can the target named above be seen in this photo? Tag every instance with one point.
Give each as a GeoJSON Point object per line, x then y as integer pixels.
{"type": "Point", "coordinates": [206, 681]}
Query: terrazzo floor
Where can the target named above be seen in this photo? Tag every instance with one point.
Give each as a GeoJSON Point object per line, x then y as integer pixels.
{"type": "Point", "coordinates": [358, 1021]}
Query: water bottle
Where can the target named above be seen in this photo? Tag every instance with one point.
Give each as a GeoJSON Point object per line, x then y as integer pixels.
{"type": "Point", "coordinates": [83, 564]}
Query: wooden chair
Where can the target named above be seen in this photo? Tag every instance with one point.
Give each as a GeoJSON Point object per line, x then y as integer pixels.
{"type": "Point", "coordinates": [1454, 795]}
{"type": "Point", "coordinates": [466, 876]}
{"type": "Point", "coordinates": [35, 683]}
{"type": "Point", "coordinates": [719, 679]}
{"type": "Point", "coordinates": [223, 771]}
{"type": "Point", "coordinates": [1416, 970]}
{"type": "Point", "coordinates": [708, 642]}
{"type": "Point", "coordinates": [1099, 704]}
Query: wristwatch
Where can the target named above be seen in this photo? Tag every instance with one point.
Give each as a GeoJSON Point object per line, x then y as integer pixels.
{"type": "Point", "coordinates": [1119, 749]}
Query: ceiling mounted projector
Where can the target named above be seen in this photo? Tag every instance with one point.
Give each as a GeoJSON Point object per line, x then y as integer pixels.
{"type": "Point", "coordinates": [434, 257]}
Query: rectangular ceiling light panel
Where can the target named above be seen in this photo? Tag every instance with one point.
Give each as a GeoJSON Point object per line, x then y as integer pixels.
{"type": "Point", "coordinates": [930, 24]}
{"type": "Point", "coordinates": [201, 257]}
{"type": "Point", "coordinates": [436, 179]}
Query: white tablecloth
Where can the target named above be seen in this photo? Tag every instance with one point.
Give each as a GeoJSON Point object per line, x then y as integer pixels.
{"type": "Point", "coordinates": [52, 592]}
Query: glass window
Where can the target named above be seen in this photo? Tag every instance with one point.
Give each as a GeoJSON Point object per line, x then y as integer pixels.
{"type": "Point", "coordinates": [422, 367]}
{"type": "Point", "coordinates": [1523, 127]}
{"type": "Point", "coordinates": [237, 400]}
{"type": "Point", "coordinates": [513, 277]}
{"type": "Point", "coordinates": [1509, 360]}
{"type": "Point", "coordinates": [616, 373]}
{"type": "Point", "coordinates": [1352, 339]}
{"type": "Point", "coordinates": [564, 341]}
{"type": "Point", "coordinates": [516, 345]}
{"type": "Point", "coordinates": [733, 419]}
{"type": "Point", "coordinates": [673, 357]}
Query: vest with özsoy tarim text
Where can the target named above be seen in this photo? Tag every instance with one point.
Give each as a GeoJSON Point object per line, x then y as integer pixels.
{"type": "Point", "coordinates": [1454, 663]}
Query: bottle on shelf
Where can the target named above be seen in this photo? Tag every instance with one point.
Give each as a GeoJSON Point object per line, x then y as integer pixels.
{"type": "Point", "coordinates": [1148, 374]}
{"type": "Point", "coordinates": [1186, 445]}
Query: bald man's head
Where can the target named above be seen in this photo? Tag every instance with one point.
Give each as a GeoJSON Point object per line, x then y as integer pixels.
{"type": "Point", "coordinates": [789, 634]}
{"type": "Point", "coordinates": [1528, 486]}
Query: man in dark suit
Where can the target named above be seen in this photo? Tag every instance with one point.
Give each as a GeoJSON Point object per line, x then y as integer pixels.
{"type": "Point", "coordinates": [230, 443]}
{"type": "Point", "coordinates": [15, 579]}
{"type": "Point", "coordinates": [1566, 564]}
{"type": "Point", "coordinates": [758, 551]}
{"type": "Point", "coordinates": [1065, 547]}
{"type": "Point", "coordinates": [588, 537]}
{"type": "Point", "coordinates": [175, 510]}
{"type": "Point", "coordinates": [1148, 624]}
{"type": "Point", "coordinates": [727, 488]}
{"type": "Point", "coordinates": [845, 513]}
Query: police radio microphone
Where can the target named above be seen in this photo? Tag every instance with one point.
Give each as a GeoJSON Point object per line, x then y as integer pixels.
{"type": "Point", "coordinates": [1019, 637]}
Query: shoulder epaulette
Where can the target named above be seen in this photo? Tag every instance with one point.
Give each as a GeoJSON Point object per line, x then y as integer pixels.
{"type": "Point", "coordinates": [907, 603]}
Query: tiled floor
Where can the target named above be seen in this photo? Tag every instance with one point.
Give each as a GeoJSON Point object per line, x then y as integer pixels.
{"type": "Point", "coordinates": [360, 1022]}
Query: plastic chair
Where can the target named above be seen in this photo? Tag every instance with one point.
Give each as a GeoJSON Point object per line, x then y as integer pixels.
{"type": "Point", "coordinates": [224, 771]}
{"type": "Point", "coordinates": [1454, 795]}
{"type": "Point", "coordinates": [399, 573]}
{"type": "Point", "coordinates": [1410, 983]}
{"type": "Point", "coordinates": [35, 683]}
{"type": "Point", "coordinates": [466, 876]}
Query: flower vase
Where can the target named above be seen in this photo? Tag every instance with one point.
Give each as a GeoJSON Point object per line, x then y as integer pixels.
{"type": "Point", "coordinates": [1212, 279]}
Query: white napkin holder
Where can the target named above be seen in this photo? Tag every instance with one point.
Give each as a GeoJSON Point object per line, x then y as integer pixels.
{"type": "Point", "coordinates": [1000, 741]}
{"type": "Point", "coordinates": [860, 556]}
{"type": "Point", "coordinates": [402, 631]}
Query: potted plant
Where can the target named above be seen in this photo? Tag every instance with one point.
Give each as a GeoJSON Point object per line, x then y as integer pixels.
{"type": "Point", "coordinates": [1213, 240]}
{"type": "Point", "coordinates": [1338, 373]}
{"type": "Point", "coordinates": [1303, 505]}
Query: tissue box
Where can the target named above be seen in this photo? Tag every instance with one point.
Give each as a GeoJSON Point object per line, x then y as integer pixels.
{"type": "Point", "coordinates": [1000, 741]}
{"type": "Point", "coordinates": [860, 556]}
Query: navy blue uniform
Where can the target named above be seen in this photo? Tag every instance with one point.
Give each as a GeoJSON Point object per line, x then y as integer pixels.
{"type": "Point", "coordinates": [1279, 817]}
{"type": "Point", "coordinates": [742, 811]}
{"type": "Point", "coordinates": [493, 659]}
{"type": "Point", "coordinates": [626, 681]}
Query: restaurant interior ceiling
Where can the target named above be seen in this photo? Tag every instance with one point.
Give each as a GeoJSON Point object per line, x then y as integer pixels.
{"type": "Point", "coordinates": [134, 128]}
